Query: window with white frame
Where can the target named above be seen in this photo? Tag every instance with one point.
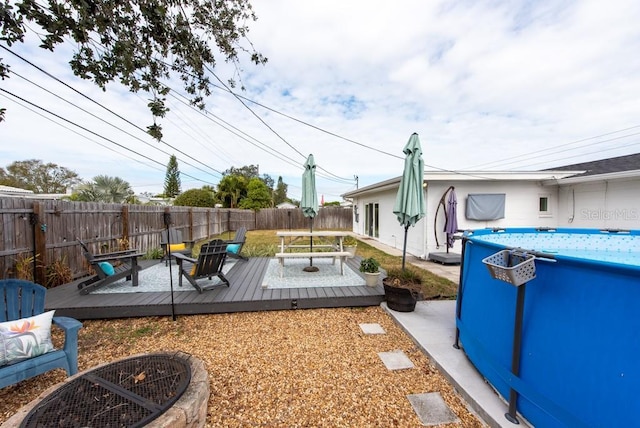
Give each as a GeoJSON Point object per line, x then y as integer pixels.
{"type": "Point", "coordinates": [544, 205]}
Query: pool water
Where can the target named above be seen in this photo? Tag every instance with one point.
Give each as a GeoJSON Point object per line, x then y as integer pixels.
{"type": "Point", "coordinates": [622, 248]}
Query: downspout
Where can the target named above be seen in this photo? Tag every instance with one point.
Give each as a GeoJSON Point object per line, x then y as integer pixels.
{"type": "Point", "coordinates": [425, 226]}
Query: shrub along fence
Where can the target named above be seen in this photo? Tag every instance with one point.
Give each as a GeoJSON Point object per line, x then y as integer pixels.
{"type": "Point", "coordinates": [39, 236]}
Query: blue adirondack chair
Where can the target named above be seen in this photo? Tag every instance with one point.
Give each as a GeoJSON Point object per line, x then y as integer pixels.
{"type": "Point", "coordinates": [22, 299]}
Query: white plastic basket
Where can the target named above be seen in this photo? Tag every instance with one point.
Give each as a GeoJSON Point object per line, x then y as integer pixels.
{"type": "Point", "coordinates": [511, 267]}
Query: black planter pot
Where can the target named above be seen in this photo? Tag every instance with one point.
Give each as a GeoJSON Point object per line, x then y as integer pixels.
{"type": "Point", "coordinates": [399, 299]}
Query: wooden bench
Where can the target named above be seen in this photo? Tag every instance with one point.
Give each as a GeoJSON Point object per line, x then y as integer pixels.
{"type": "Point", "coordinates": [342, 255]}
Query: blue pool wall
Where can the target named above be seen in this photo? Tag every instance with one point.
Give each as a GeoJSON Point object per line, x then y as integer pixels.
{"type": "Point", "coordinates": [580, 348]}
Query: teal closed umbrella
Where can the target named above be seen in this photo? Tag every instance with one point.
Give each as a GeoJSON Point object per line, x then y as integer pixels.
{"type": "Point", "coordinates": [409, 206]}
{"type": "Point", "coordinates": [309, 200]}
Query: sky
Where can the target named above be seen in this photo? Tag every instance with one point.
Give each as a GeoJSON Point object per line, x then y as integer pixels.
{"type": "Point", "coordinates": [487, 85]}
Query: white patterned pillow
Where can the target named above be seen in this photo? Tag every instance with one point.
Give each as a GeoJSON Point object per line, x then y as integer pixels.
{"type": "Point", "coordinates": [25, 338]}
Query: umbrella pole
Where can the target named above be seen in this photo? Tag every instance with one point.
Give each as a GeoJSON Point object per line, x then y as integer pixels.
{"type": "Point", "coordinates": [167, 222]}
{"type": "Point", "coordinates": [404, 247]}
{"type": "Point", "coordinates": [311, 267]}
{"type": "Point", "coordinates": [311, 237]}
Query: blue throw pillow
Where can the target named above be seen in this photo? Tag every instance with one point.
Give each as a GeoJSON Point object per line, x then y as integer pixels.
{"type": "Point", "coordinates": [107, 268]}
{"type": "Point", "coordinates": [233, 248]}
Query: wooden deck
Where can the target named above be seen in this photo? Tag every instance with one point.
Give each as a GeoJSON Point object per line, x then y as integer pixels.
{"type": "Point", "coordinates": [244, 295]}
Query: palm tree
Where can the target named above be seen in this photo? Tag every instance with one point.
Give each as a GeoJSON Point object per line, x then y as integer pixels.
{"type": "Point", "coordinates": [231, 188]}
{"type": "Point", "coordinates": [112, 189]}
{"type": "Point", "coordinates": [105, 189]}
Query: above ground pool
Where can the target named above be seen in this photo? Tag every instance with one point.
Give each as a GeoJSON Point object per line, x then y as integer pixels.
{"type": "Point", "coordinates": [551, 318]}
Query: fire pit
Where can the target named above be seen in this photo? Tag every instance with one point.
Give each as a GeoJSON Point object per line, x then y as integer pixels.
{"type": "Point", "coordinates": [133, 392]}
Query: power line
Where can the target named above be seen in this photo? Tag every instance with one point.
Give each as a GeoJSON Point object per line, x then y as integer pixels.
{"type": "Point", "coordinates": [234, 130]}
{"type": "Point", "coordinates": [109, 110]}
{"type": "Point", "coordinates": [554, 150]}
{"type": "Point", "coordinates": [91, 132]}
{"type": "Point", "coordinates": [269, 127]}
{"type": "Point", "coordinates": [588, 153]}
{"type": "Point", "coordinates": [79, 134]}
{"type": "Point", "coordinates": [245, 136]}
{"type": "Point", "coordinates": [225, 89]}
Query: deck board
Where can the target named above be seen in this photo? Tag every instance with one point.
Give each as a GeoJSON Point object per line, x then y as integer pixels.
{"type": "Point", "coordinates": [244, 295]}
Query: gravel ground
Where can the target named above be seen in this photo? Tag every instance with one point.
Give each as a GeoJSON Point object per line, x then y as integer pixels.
{"type": "Point", "coordinates": [306, 368]}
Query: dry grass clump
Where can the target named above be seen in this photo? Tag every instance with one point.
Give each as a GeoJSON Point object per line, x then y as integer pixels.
{"type": "Point", "coordinates": [311, 368]}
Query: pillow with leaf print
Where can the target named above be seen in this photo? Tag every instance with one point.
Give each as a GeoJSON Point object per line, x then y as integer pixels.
{"type": "Point", "coordinates": [25, 338]}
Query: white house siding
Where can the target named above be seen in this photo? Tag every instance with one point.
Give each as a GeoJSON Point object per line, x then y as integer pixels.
{"type": "Point", "coordinates": [390, 231]}
{"type": "Point", "coordinates": [521, 208]}
{"type": "Point", "coordinates": [603, 201]}
{"type": "Point", "coordinates": [609, 203]}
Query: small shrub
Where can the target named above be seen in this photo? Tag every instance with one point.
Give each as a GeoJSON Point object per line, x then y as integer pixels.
{"type": "Point", "coordinates": [23, 268]}
{"type": "Point", "coordinates": [153, 254]}
{"type": "Point", "coordinates": [349, 241]}
{"type": "Point", "coordinates": [58, 273]}
{"type": "Point", "coordinates": [123, 244]}
{"type": "Point", "coordinates": [369, 265]}
{"type": "Point", "coordinates": [261, 250]}
{"type": "Point", "coordinates": [406, 277]}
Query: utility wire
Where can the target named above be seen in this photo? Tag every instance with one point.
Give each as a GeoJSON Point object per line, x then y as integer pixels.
{"type": "Point", "coordinates": [234, 130]}
{"type": "Point", "coordinates": [102, 106]}
{"type": "Point", "coordinates": [574, 156]}
{"type": "Point", "coordinates": [92, 132]}
{"type": "Point", "coordinates": [81, 135]}
{"type": "Point", "coordinates": [226, 89]}
{"type": "Point", "coordinates": [588, 153]}
{"type": "Point", "coordinates": [254, 114]}
{"type": "Point", "coordinates": [102, 120]}
{"type": "Point", "coordinates": [269, 127]}
{"type": "Point", "coordinates": [313, 126]}
{"type": "Point", "coordinates": [245, 136]}
{"type": "Point", "coordinates": [547, 152]}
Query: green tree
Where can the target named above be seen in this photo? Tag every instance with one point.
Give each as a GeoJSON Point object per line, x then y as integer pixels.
{"type": "Point", "coordinates": [195, 198]}
{"type": "Point", "coordinates": [34, 175]}
{"type": "Point", "coordinates": [105, 189]}
{"type": "Point", "coordinates": [139, 43]}
{"type": "Point", "coordinates": [249, 172]}
{"type": "Point", "coordinates": [231, 189]}
{"type": "Point", "coordinates": [258, 195]}
{"type": "Point", "coordinates": [172, 178]}
{"type": "Point", "coordinates": [280, 193]}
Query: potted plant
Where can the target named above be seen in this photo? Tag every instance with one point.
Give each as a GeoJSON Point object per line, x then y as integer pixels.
{"type": "Point", "coordinates": [371, 269]}
{"type": "Point", "coordinates": [349, 243]}
{"type": "Point", "coordinates": [402, 289]}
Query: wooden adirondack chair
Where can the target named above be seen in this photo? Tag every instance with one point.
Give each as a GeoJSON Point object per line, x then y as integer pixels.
{"type": "Point", "coordinates": [23, 299]}
{"type": "Point", "coordinates": [234, 246]}
{"type": "Point", "coordinates": [208, 264]}
{"type": "Point", "coordinates": [171, 242]}
{"type": "Point", "coordinates": [125, 265]}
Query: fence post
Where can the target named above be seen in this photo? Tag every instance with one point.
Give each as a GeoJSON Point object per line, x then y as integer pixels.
{"type": "Point", "coordinates": [125, 225]}
{"type": "Point", "coordinates": [39, 244]}
{"type": "Point", "coordinates": [190, 216]}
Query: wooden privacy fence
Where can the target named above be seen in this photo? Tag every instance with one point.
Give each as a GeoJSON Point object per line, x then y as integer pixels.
{"type": "Point", "coordinates": [42, 232]}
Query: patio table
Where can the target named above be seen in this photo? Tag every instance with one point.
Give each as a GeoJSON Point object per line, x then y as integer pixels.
{"type": "Point", "coordinates": [337, 249]}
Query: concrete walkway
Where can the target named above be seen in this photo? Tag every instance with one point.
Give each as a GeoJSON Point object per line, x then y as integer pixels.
{"type": "Point", "coordinates": [451, 272]}
{"type": "Point", "coordinates": [432, 326]}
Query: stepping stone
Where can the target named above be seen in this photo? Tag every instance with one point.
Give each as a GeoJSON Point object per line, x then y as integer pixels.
{"type": "Point", "coordinates": [395, 360]}
{"type": "Point", "coordinates": [372, 328]}
{"type": "Point", "coordinates": [431, 409]}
